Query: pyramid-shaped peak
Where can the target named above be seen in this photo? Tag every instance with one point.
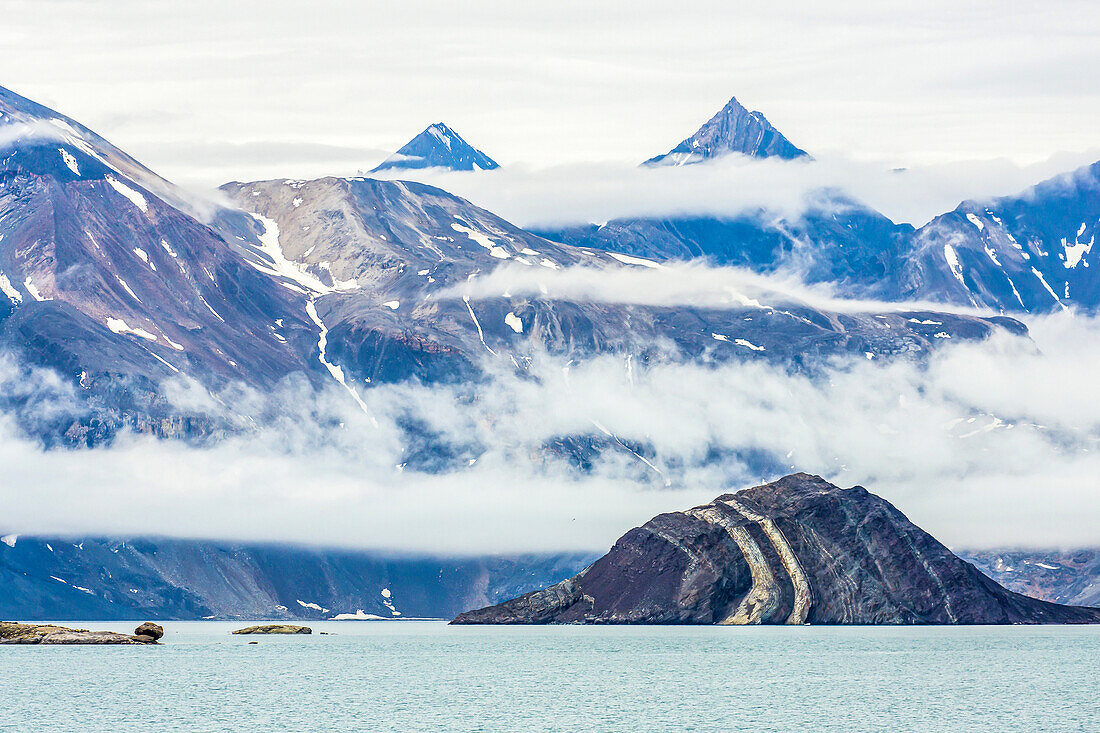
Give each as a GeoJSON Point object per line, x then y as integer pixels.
{"type": "Point", "coordinates": [438, 146]}
{"type": "Point", "coordinates": [733, 130]}
{"type": "Point", "coordinates": [733, 104]}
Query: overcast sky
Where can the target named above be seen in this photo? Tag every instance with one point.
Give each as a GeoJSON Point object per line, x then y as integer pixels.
{"type": "Point", "coordinates": [205, 91]}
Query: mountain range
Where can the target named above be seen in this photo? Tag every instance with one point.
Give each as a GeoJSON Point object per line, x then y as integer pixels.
{"type": "Point", "coordinates": [119, 282]}
{"type": "Point", "coordinates": [118, 286]}
{"type": "Point", "coordinates": [91, 578]}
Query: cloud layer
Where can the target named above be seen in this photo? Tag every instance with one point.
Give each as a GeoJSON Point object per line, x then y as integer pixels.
{"type": "Point", "coordinates": [989, 444]}
{"type": "Point", "coordinates": [691, 283]}
{"type": "Point", "coordinates": [600, 192]}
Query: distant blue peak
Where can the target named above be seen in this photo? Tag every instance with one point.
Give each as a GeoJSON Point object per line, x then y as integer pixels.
{"type": "Point", "coordinates": [733, 130]}
{"type": "Point", "coordinates": [438, 146]}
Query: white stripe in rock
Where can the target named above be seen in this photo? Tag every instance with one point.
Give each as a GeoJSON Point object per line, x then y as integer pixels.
{"type": "Point", "coordinates": [802, 595]}
{"type": "Point", "coordinates": [763, 597]}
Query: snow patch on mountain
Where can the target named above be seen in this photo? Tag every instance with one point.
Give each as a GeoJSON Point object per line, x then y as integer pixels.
{"type": "Point", "coordinates": [335, 370]}
{"type": "Point", "coordinates": [631, 260]}
{"type": "Point", "coordinates": [33, 290]}
{"type": "Point", "coordinates": [484, 240]}
{"type": "Point", "coordinates": [952, 258]}
{"type": "Point", "coordinates": [129, 194]}
{"type": "Point", "coordinates": [69, 160]}
{"type": "Point", "coordinates": [1076, 250]}
{"type": "Point", "coordinates": [281, 266]}
{"type": "Point", "coordinates": [117, 325]}
{"type": "Point", "coordinates": [6, 288]}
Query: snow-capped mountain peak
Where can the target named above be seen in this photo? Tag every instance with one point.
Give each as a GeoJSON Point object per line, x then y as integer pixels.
{"type": "Point", "coordinates": [438, 146]}
{"type": "Point", "coordinates": [733, 130]}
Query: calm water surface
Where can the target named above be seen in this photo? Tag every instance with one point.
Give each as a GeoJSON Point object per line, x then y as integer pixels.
{"type": "Point", "coordinates": [426, 676]}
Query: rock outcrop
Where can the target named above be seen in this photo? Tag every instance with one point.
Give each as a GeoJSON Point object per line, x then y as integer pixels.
{"type": "Point", "coordinates": [275, 629]}
{"type": "Point", "coordinates": [153, 631]}
{"type": "Point", "coordinates": [13, 633]}
{"type": "Point", "coordinates": [799, 550]}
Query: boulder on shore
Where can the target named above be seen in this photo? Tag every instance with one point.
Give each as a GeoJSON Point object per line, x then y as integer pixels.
{"type": "Point", "coordinates": [150, 629]}
{"type": "Point", "coordinates": [275, 629]}
{"type": "Point", "coordinates": [13, 633]}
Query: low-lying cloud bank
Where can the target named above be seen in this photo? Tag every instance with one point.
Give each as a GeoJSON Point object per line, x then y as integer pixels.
{"type": "Point", "coordinates": [988, 444]}
{"type": "Point", "coordinates": [600, 192]}
{"type": "Point", "coordinates": [690, 283]}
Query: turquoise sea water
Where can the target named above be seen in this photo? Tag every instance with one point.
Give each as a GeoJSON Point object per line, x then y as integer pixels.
{"type": "Point", "coordinates": [426, 676]}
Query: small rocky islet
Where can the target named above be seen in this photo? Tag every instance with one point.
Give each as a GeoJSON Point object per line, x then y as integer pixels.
{"type": "Point", "coordinates": [796, 551]}
{"type": "Point", "coordinates": [274, 629]}
{"type": "Point", "coordinates": [16, 633]}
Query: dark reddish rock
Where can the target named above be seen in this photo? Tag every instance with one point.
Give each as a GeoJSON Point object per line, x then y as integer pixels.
{"type": "Point", "coordinates": [799, 550]}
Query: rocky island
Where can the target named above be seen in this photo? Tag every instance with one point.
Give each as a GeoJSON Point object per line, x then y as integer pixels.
{"type": "Point", "coordinates": [13, 633]}
{"type": "Point", "coordinates": [796, 551]}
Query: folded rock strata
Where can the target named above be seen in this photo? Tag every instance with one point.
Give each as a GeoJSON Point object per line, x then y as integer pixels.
{"type": "Point", "coordinates": [796, 551]}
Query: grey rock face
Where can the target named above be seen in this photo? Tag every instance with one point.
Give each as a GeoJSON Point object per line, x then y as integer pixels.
{"type": "Point", "coordinates": [438, 147]}
{"type": "Point", "coordinates": [799, 550]}
{"type": "Point", "coordinates": [733, 130]}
